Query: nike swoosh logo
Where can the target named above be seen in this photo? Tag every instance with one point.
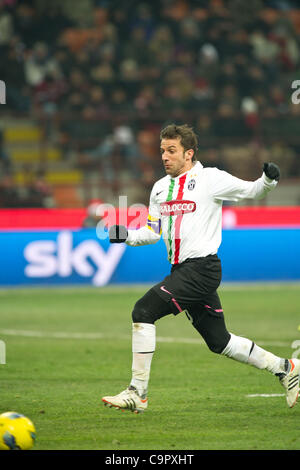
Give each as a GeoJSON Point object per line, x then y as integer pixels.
{"type": "Point", "coordinates": [173, 300]}
{"type": "Point", "coordinates": [159, 192]}
{"type": "Point", "coordinates": [165, 290]}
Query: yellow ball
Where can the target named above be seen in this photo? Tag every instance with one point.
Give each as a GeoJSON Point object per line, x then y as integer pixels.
{"type": "Point", "coordinates": [17, 432]}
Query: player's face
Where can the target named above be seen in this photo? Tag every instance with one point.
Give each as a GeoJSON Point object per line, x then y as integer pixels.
{"type": "Point", "coordinates": [175, 159]}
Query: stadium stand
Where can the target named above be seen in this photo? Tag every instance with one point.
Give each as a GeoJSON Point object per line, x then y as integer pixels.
{"type": "Point", "coordinates": [89, 85]}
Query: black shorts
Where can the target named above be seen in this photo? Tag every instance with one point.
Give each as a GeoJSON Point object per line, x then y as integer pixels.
{"type": "Point", "coordinates": [192, 285]}
{"type": "Point", "coordinates": [190, 288]}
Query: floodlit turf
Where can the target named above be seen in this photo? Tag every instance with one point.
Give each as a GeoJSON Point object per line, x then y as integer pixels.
{"type": "Point", "coordinates": [66, 348]}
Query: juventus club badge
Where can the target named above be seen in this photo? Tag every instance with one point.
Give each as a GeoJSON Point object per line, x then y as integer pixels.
{"type": "Point", "coordinates": [191, 184]}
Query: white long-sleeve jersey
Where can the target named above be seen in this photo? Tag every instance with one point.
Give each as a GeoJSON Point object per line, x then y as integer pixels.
{"type": "Point", "coordinates": [187, 210]}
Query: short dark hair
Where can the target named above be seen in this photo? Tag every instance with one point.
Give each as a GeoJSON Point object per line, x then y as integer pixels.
{"type": "Point", "coordinates": [185, 133]}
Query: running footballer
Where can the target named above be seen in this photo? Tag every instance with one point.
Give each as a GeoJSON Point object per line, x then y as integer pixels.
{"type": "Point", "coordinates": [186, 209]}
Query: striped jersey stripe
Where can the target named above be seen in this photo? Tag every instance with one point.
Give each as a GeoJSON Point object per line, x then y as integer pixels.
{"type": "Point", "coordinates": [169, 198]}
{"type": "Point", "coordinates": [178, 220]}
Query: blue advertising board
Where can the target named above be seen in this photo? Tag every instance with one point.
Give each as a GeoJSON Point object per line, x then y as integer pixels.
{"type": "Point", "coordinates": [79, 257]}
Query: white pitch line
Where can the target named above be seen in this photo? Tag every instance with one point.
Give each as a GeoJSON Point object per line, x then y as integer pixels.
{"type": "Point", "coordinates": [115, 288]}
{"type": "Point", "coordinates": [56, 335]}
{"type": "Point", "coordinates": [265, 395]}
{"type": "Point", "coordinates": [76, 335]}
{"type": "Point", "coordinates": [48, 334]}
{"type": "Point", "coordinates": [70, 335]}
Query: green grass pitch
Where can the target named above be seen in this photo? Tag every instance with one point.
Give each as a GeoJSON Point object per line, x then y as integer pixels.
{"type": "Point", "coordinates": [67, 347]}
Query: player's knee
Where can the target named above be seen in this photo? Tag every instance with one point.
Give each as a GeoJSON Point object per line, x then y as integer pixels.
{"type": "Point", "coordinates": [218, 345]}
{"type": "Point", "coordinates": [216, 348]}
{"type": "Point", "coordinates": [141, 314]}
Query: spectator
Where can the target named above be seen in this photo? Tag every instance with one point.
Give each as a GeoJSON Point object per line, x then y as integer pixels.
{"type": "Point", "coordinates": [115, 153]}
{"type": "Point", "coordinates": [18, 96]}
{"type": "Point", "coordinates": [9, 195]}
{"type": "Point", "coordinates": [119, 101]}
{"type": "Point", "coordinates": [49, 93]}
{"type": "Point", "coordinates": [65, 61]}
{"type": "Point", "coordinates": [147, 100]}
{"type": "Point", "coordinates": [129, 76]}
{"type": "Point", "coordinates": [103, 74]}
{"type": "Point", "coordinates": [143, 19]}
{"type": "Point", "coordinates": [97, 102]}
{"type": "Point", "coordinates": [6, 26]}
{"type": "Point", "coordinates": [5, 160]}
{"type": "Point", "coordinates": [38, 192]}
{"type": "Point", "coordinates": [26, 24]}
{"type": "Point", "coordinates": [228, 123]}
{"type": "Point", "coordinates": [264, 50]}
{"type": "Point", "coordinates": [78, 81]}
{"type": "Point", "coordinates": [206, 133]}
{"type": "Point", "coordinates": [136, 47]}
{"type": "Point", "coordinates": [39, 64]}
{"type": "Point", "coordinates": [162, 39]}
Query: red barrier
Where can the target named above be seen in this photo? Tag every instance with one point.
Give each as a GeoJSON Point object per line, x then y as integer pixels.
{"type": "Point", "coordinates": [261, 217]}
{"type": "Point", "coordinates": [36, 219]}
{"type": "Point", "coordinates": [19, 219]}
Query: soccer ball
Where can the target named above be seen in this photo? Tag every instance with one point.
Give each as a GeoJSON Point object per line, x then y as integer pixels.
{"type": "Point", "coordinates": [17, 432]}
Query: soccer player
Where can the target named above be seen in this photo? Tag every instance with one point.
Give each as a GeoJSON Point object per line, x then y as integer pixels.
{"type": "Point", "coordinates": [186, 208]}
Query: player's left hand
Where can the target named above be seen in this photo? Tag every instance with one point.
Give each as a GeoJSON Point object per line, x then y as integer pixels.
{"type": "Point", "coordinates": [117, 233]}
{"type": "Point", "coordinates": [272, 171]}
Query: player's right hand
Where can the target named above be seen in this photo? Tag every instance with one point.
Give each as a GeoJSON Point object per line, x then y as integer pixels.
{"type": "Point", "coordinates": [117, 233]}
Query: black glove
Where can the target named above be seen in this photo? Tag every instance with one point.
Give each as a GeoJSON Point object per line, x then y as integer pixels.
{"type": "Point", "coordinates": [272, 171]}
{"type": "Point", "coordinates": [117, 233]}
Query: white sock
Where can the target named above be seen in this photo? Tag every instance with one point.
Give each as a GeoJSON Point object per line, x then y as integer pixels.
{"type": "Point", "coordinates": [243, 350]}
{"type": "Point", "coordinates": [143, 347]}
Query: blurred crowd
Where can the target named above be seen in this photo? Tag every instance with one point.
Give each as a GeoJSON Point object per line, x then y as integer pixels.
{"type": "Point", "coordinates": [106, 87]}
